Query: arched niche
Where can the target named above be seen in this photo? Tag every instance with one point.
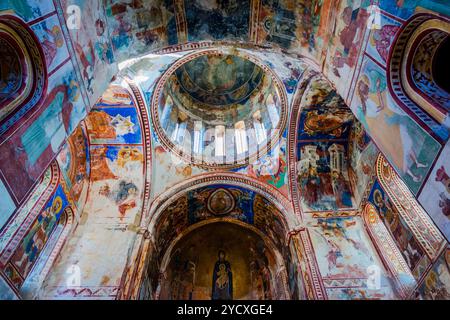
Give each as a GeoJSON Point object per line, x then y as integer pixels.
{"type": "Point", "coordinates": [35, 235]}
{"type": "Point", "coordinates": [415, 70]}
{"type": "Point", "coordinates": [171, 214]}
{"type": "Point", "coordinates": [52, 248]}
{"type": "Point", "coordinates": [403, 234]}
{"type": "Point", "coordinates": [253, 267]}
{"type": "Point", "coordinates": [23, 71]}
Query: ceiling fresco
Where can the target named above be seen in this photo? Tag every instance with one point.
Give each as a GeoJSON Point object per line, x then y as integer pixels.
{"type": "Point", "coordinates": [217, 149]}
{"type": "Point", "coordinates": [219, 80]}
{"type": "Point", "coordinates": [322, 150]}
{"type": "Point", "coordinates": [218, 110]}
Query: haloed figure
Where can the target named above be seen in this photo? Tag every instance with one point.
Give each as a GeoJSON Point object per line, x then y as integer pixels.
{"type": "Point", "coordinates": [222, 285]}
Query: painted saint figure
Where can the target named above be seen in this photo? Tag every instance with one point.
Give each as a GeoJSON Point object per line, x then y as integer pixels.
{"type": "Point", "coordinates": [222, 284]}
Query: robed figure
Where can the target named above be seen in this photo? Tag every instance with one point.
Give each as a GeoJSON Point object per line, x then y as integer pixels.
{"type": "Point", "coordinates": [222, 284]}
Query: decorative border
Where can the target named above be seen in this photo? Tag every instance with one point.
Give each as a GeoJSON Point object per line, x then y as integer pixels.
{"type": "Point", "coordinates": [423, 229]}
{"type": "Point", "coordinates": [387, 249]}
{"type": "Point", "coordinates": [169, 145]}
{"type": "Point", "coordinates": [292, 140]}
{"type": "Point", "coordinates": [395, 79]}
{"type": "Point", "coordinates": [139, 102]}
{"type": "Point", "coordinates": [26, 215]}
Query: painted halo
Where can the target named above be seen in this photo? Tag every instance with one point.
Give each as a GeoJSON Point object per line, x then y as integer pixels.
{"type": "Point", "coordinates": [23, 72]}
{"type": "Point", "coordinates": [219, 99]}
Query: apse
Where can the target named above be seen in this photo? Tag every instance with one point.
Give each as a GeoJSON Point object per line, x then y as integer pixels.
{"type": "Point", "coordinates": [220, 261]}
{"type": "Point", "coordinates": [218, 225]}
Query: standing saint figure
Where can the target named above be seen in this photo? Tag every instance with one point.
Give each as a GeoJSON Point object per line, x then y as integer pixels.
{"type": "Point", "coordinates": [222, 284]}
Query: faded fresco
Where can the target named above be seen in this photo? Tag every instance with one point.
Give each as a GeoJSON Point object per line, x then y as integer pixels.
{"type": "Point", "coordinates": [41, 139]}
{"type": "Point", "coordinates": [403, 237]}
{"type": "Point", "coordinates": [137, 26]}
{"type": "Point", "coordinates": [436, 284]}
{"type": "Point", "coordinates": [413, 152]}
{"type": "Point", "coordinates": [344, 254]}
{"type": "Point", "coordinates": [435, 196]}
{"type": "Point", "coordinates": [116, 184]}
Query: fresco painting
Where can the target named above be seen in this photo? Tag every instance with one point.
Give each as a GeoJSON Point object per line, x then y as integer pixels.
{"type": "Point", "coordinates": [136, 26]}
{"type": "Point", "coordinates": [74, 161]}
{"type": "Point", "coordinates": [413, 152]}
{"type": "Point", "coordinates": [271, 168]}
{"type": "Point", "coordinates": [435, 196]}
{"type": "Point", "coordinates": [322, 148]}
{"type": "Point", "coordinates": [222, 201]}
{"type": "Point", "coordinates": [220, 270]}
{"type": "Point", "coordinates": [218, 20]}
{"type": "Point", "coordinates": [92, 46]}
{"type": "Point", "coordinates": [35, 240]}
{"type": "Point", "coordinates": [281, 23]}
{"type": "Point", "coordinates": [408, 245]}
{"type": "Point", "coordinates": [436, 284]}
{"type": "Point", "coordinates": [174, 169]}
{"type": "Point", "coordinates": [344, 254]}
{"type": "Point", "coordinates": [114, 125]}
{"type": "Point", "coordinates": [6, 293]}
{"type": "Point", "coordinates": [363, 155]}
{"type": "Point", "coordinates": [39, 141]}
{"type": "Point", "coordinates": [116, 184]}
{"type": "Point", "coordinates": [349, 36]}
{"type": "Point", "coordinates": [51, 37]}
{"type": "Point", "coordinates": [381, 39]}
{"type": "Point", "coordinates": [28, 9]}
{"type": "Point", "coordinates": [104, 160]}
{"type": "Point", "coordinates": [7, 204]}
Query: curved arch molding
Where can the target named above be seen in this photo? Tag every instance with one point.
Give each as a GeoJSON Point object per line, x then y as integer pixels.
{"type": "Point", "coordinates": [23, 62]}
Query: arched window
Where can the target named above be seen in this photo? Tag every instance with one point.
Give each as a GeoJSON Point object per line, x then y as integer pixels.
{"type": "Point", "coordinates": [418, 74]}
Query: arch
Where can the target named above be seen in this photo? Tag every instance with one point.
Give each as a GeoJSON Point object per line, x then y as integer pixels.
{"type": "Point", "coordinates": [47, 258]}
{"type": "Point", "coordinates": [226, 178]}
{"type": "Point", "coordinates": [27, 213]}
{"type": "Point", "coordinates": [410, 72]}
{"type": "Point", "coordinates": [388, 251]}
{"type": "Point", "coordinates": [25, 63]}
{"type": "Point", "coordinates": [280, 265]}
{"type": "Point", "coordinates": [415, 217]}
{"type": "Point", "coordinates": [133, 277]}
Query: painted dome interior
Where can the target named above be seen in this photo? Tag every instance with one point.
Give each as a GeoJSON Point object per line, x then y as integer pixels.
{"type": "Point", "coordinates": [216, 102]}
{"type": "Point", "coordinates": [224, 150]}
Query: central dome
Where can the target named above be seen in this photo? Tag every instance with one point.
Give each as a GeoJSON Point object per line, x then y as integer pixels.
{"type": "Point", "coordinates": [219, 79]}
{"type": "Point", "coordinates": [217, 109]}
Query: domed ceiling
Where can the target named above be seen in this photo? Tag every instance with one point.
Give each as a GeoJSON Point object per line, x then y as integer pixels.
{"type": "Point", "coordinates": [219, 80]}
{"type": "Point", "coordinates": [217, 109]}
